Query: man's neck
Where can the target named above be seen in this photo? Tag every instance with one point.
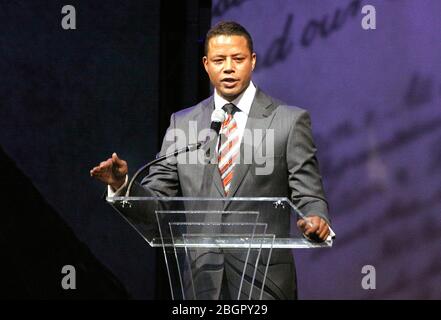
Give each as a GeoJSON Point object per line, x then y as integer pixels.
{"type": "Point", "coordinates": [232, 98]}
{"type": "Point", "coordinates": [243, 101]}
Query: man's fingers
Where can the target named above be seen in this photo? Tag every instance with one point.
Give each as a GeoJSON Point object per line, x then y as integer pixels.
{"type": "Point", "coordinates": [312, 226]}
{"type": "Point", "coordinates": [97, 170]}
{"type": "Point", "coordinates": [119, 162]}
{"type": "Point", "coordinates": [324, 234]}
{"type": "Point", "coordinates": [101, 168]}
{"type": "Point", "coordinates": [301, 224]}
{"type": "Point", "coordinates": [315, 227]}
{"type": "Point", "coordinates": [322, 227]}
{"type": "Point", "coordinates": [110, 171]}
{"type": "Point", "coordinates": [106, 164]}
{"type": "Point", "coordinates": [94, 171]}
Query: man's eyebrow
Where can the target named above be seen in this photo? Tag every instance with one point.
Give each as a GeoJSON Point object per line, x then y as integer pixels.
{"type": "Point", "coordinates": [233, 55]}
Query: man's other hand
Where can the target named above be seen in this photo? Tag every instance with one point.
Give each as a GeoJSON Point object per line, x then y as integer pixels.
{"type": "Point", "coordinates": [314, 227]}
{"type": "Point", "coordinates": [113, 171]}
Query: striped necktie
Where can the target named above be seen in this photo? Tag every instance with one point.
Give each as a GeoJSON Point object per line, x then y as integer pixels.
{"type": "Point", "coordinates": [229, 148]}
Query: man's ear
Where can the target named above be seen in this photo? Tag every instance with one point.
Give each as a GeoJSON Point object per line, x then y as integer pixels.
{"type": "Point", "coordinates": [253, 60]}
{"type": "Point", "coordinates": [205, 63]}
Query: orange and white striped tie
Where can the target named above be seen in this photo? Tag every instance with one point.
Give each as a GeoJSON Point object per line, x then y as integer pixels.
{"type": "Point", "coordinates": [229, 148]}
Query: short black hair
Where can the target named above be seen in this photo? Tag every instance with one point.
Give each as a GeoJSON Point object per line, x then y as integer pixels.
{"type": "Point", "coordinates": [228, 28]}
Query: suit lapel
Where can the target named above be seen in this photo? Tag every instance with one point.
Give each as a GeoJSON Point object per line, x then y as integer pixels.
{"type": "Point", "coordinates": [260, 117]}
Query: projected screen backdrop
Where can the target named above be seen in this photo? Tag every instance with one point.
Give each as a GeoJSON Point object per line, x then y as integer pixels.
{"type": "Point", "coordinates": [375, 101]}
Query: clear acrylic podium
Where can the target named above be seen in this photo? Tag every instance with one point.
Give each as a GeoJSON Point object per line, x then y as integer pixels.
{"type": "Point", "coordinates": [201, 237]}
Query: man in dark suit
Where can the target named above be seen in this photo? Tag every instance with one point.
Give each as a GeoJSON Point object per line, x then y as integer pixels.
{"type": "Point", "coordinates": [292, 165]}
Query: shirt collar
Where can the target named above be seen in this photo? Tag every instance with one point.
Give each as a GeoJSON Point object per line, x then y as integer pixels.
{"type": "Point", "coordinates": [243, 101]}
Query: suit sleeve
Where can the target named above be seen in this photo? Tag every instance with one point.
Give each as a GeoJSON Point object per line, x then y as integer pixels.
{"type": "Point", "coordinates": [305, 181]}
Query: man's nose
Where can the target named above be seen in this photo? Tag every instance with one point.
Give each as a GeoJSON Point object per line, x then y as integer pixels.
{"type": "Point", "coordinates": [229, 66]}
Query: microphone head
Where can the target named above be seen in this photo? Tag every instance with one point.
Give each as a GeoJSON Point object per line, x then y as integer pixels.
{"type": "Point", "coordinates": [218, 115]}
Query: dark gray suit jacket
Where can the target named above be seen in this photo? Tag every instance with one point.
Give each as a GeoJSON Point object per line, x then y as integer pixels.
{"type": "Point", "coordinates": [295, 176]}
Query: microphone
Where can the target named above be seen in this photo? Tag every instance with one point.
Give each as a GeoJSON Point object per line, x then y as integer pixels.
{"type": "Point", "coordinates": [217, 117]}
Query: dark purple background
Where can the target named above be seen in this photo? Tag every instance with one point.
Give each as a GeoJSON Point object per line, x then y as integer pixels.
{"type": "Point", "coordinates": [375, 101]}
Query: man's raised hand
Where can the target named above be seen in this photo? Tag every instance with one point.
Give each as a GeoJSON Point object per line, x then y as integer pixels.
{"type": "Point", "coordinates": [113, 171]}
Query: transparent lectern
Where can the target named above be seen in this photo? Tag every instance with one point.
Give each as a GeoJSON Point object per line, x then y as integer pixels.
{"type": "Point", "coordinates": [202, 238]}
